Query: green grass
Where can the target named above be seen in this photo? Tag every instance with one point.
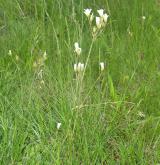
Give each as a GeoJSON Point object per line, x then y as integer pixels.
{"type": "Point", "coordinates": [100, 115]}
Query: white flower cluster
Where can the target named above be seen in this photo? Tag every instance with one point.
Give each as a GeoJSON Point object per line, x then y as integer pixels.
{"type": "Point", "coordinates": [100, 20]}
{"type": "Point", "coordinates": [100, 23]}
{"type": "Point", "coordinates": [89, 14]}
{"type": "Point", "coordinates": [78, 67]}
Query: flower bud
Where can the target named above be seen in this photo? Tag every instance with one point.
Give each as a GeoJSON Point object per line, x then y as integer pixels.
{"type": "Point", "coordinates": [10, 53]}
{"type": "Point", "coordinates": [77, 48]}
{"type": "Point", "coordinates": [98, 22]}
{"type": "Point", "coordinates": [102, 66]}
{"type": "Point", "coordinates": [75, 67]}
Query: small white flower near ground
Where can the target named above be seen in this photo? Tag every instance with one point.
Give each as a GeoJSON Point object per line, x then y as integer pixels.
{"type": "Point", "coordinates": [101, 66]}
{"type": "Point", "coordinates": [59, 125]}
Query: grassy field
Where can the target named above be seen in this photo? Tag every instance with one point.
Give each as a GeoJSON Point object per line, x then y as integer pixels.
{"type": "Point", "coordinates": [50, 114]}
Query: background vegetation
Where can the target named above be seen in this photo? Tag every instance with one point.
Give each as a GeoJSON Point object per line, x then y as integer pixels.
{"type": "Point", "coordinates": [114, 119]}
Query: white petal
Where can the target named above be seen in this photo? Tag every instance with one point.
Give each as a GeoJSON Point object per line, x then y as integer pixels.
{"type": "Point", "coordinates": [76, 45]}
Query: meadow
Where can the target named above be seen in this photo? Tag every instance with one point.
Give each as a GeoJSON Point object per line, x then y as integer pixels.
{"type": "Point", "coordinates": [76, 91]}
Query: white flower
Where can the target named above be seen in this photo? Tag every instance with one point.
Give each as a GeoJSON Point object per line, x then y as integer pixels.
{"type": "Point", "coordinates": [10, 53]}
{"type": "Point", "coordinates": [143, 17]}
{"type": "Point", "coordinates": [58, 125]}
{"type": "Point", "coordinates": [101, 66]}
{"type": "Point", "coordinates": [77, 48]}
{"type": "Point", "coordinates": [98, 22]}
{"type": "Point", "coordinates": [76, 45]}
{"type": "Point", "coordinates": [100, 12]}
{"type": "Point", "coordinates": [87, 12]}
{"type": "Point", "coordinates": [105, 17]}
